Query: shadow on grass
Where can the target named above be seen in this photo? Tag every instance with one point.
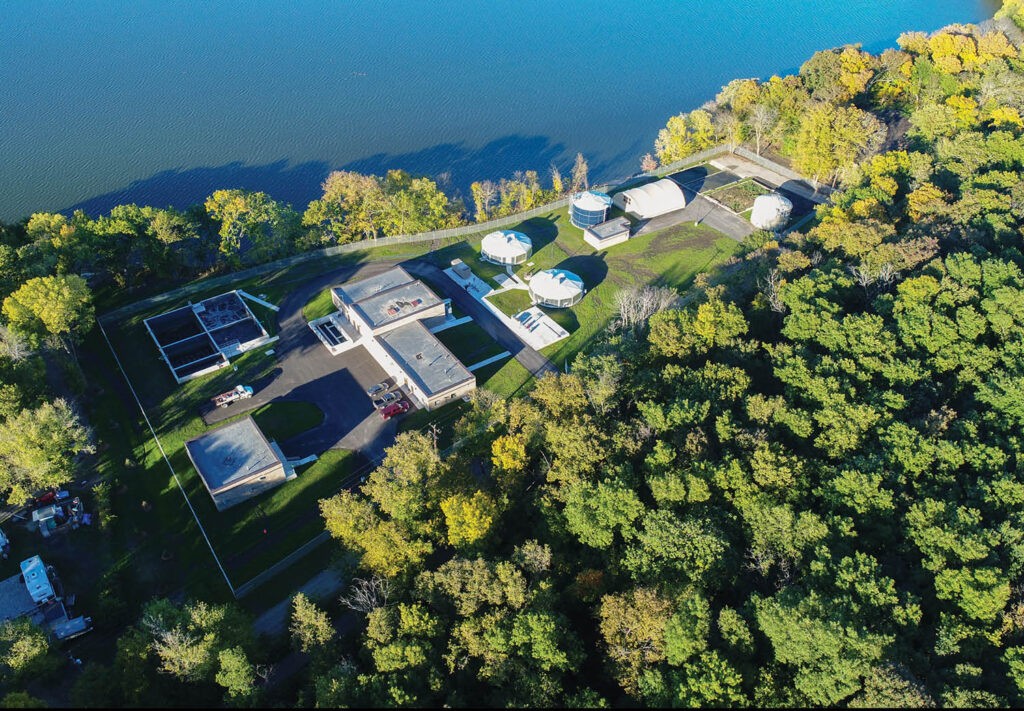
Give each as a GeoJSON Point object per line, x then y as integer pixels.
{"type": "Point", "coordinates": [590, 267]}
{"type": "Point", "coordinates": [542, 231]}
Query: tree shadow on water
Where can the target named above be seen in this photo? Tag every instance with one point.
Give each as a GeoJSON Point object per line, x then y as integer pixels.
{"type": "Point", "coordinates": [182, 188]}
{"type": "Point", "coordinates": [455, 165]}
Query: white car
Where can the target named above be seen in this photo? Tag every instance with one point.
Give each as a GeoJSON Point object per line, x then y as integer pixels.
{"type": "Point", "coordinates": [385, 400]}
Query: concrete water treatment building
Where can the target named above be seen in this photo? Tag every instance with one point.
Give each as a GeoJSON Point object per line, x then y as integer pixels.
{"type": "Point", "coordinates": [237, 462]}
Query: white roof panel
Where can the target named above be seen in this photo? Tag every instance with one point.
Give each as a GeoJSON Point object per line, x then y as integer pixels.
{"type": "Point", "coordinates": [591, 200]}
{"type": "Point", "coordinates": [556, 285]}
{"type": "Point", "coordinates": [506, 243]}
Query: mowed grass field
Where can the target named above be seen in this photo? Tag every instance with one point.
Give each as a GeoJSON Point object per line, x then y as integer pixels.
{"type": "Point", "coordinates": [671, 257]}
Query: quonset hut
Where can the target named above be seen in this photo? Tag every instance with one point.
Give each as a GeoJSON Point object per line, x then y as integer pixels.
{"type": "Point", "coordinates": [556, 288]}
{"type": "Point", "coordinates": [506, 247]}
{"type": "Point", "coordinates": [771, 212]}
{"type": "Point", "coordinates": [652, 199]}
{"type": "Point", "coordinates": [588, 208]}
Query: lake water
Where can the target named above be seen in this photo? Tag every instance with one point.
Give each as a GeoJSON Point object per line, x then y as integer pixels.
{"type": "Point", "coordinates": [162, 102]}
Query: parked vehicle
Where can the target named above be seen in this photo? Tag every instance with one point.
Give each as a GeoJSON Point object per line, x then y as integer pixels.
{"type": "Point", "coordinates": [385, 399]}
{"type": "Point", "coordinates": [239, 392]}
{"type": "Point", "coordinates": [381, 387]}
{"type": "Point", "coordinates": [5, 545]}
{"type": "Point", "coordinates": [395, 408]}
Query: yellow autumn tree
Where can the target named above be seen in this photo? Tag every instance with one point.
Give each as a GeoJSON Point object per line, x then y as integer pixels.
{"type": "Point", "coordinates": [468, 518]}
{"type": "Point", "coordinates": [508, 453]}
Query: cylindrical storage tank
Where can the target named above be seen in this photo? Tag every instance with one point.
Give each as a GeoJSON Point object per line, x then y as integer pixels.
{"type": "Point", "coordinates": [771, 212]}
{"type": "Point", "coordinates": [556, 288]}
{"type": "Point", "coordinates": [506, 247]}
{"type": "Point", "coordinates": [589, 208]}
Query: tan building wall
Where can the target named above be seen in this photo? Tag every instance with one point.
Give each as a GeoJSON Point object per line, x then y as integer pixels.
{"type": "Point", "coordinates": [245, 490]}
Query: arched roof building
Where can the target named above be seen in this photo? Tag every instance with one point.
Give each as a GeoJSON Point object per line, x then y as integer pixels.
{"type": "Point", "coordinates": [651, 200]}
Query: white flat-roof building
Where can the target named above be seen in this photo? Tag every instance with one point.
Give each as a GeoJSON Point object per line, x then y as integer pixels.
{"type": "Point", "coordinates": [386, 301]}
{"type": "Point", "coordinates": [607, 234]}
{"type": "Point", "coordinates": [388, 311]}
{"type": "Point", "coordinates": [556, 288]}
{"type": "Point", "coordinates": [506, 247]}
{"type": "Point", "coordinates": [237, 462]}
{"type": "Point", "coordinates": [652, 199]}
{"type": "Point", "coordinates": [431, 374]}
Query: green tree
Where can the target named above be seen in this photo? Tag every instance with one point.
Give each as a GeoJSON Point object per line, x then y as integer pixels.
{"type": "Point", "coordinates": [24, 650]}
{"type": "Point", "coordinates": [59, 306]}
{"type": "Point", "coordinates": [833, 138]}
{"type": "Point", "coordinates": [253, 227]}
{"type": "Point", "coordinates": [38, 449]}
{"type": "Point", "coordinates": [310, 626]}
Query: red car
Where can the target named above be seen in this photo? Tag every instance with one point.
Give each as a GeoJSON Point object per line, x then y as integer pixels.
{"type": "Point", "coordinates": [395, 408]}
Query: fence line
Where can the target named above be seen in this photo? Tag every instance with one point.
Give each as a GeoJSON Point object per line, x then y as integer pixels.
{"type": "Point", "coordinates": [164, 455]}
{"type": "Point", "coordinates": [451, 233]}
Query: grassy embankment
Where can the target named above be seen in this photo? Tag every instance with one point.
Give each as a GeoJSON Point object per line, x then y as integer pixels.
{"type": "Point", "coordinates": [670, 257]}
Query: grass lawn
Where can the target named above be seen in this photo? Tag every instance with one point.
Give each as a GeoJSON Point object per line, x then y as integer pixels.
{"type": "Point", "coordinates": [670, 257]}
{"type": "Point", "coordinates": [740, 196]}
{"type": "Point", "coordinates": [288, 513]}
{"type": "Point", "coordinates": [469, 343]}
{"type": "Point", "coordinates": [320, 305]}
{"type": "Point", "coordinates": [511, 301]}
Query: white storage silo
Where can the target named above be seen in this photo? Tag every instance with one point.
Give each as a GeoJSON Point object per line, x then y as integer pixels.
{"type": "Point", "coordinates": [771, 212]}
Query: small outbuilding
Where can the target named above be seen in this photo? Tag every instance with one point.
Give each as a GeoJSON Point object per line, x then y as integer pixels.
{"type": "Point", "coordinates": [556, 288]}
{"type": "Point", "coordinates": [588, 208]}
{"type": "Point", "coordinates": [651, 200]}
{"type": "Point", "coordinates": [506, 247]}
{"type": "Point", "coordinates": [771, 212]}
{"type": "Point", "coordinates": [237, 462]}
{"type": "Point", "coordinates": [607, 234]}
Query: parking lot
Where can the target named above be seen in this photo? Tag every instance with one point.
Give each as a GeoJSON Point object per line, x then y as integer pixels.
{"type": "Point", "coordinates": [307, 372]}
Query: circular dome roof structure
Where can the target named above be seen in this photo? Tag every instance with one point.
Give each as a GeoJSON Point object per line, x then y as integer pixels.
{"type": "Point", "coordinates": [506, 247]}
{"type": "Point", "coordinates": [588, 208]}
{"type": "Point", "coordinates": [770, 212]}
{"type": "Point", "coordinates": [556, 288]}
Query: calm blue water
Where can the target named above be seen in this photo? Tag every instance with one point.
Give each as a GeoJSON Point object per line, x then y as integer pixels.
{"type": "Point", "coordinates": [161, 102]}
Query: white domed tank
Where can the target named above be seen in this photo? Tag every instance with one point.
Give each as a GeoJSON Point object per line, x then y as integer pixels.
{"type": "Point", "coordinates": [771, 212]}
{"type": "Point", "coordinates": [506, 247]}
{"type": "Point", "coordinates": [589, 208]}
{"type": "Point", "coordinates": [556, 288]}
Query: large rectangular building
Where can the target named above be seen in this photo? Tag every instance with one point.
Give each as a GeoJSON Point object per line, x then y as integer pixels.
{"type": "Point", "coordinates": [387, 301]}
{"type": "Point", "coordinates": [237, 462]}
{"type": "Point", "coordinates": [388, 311]}
{"type": "Point", "coordinates": [432, 374]}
